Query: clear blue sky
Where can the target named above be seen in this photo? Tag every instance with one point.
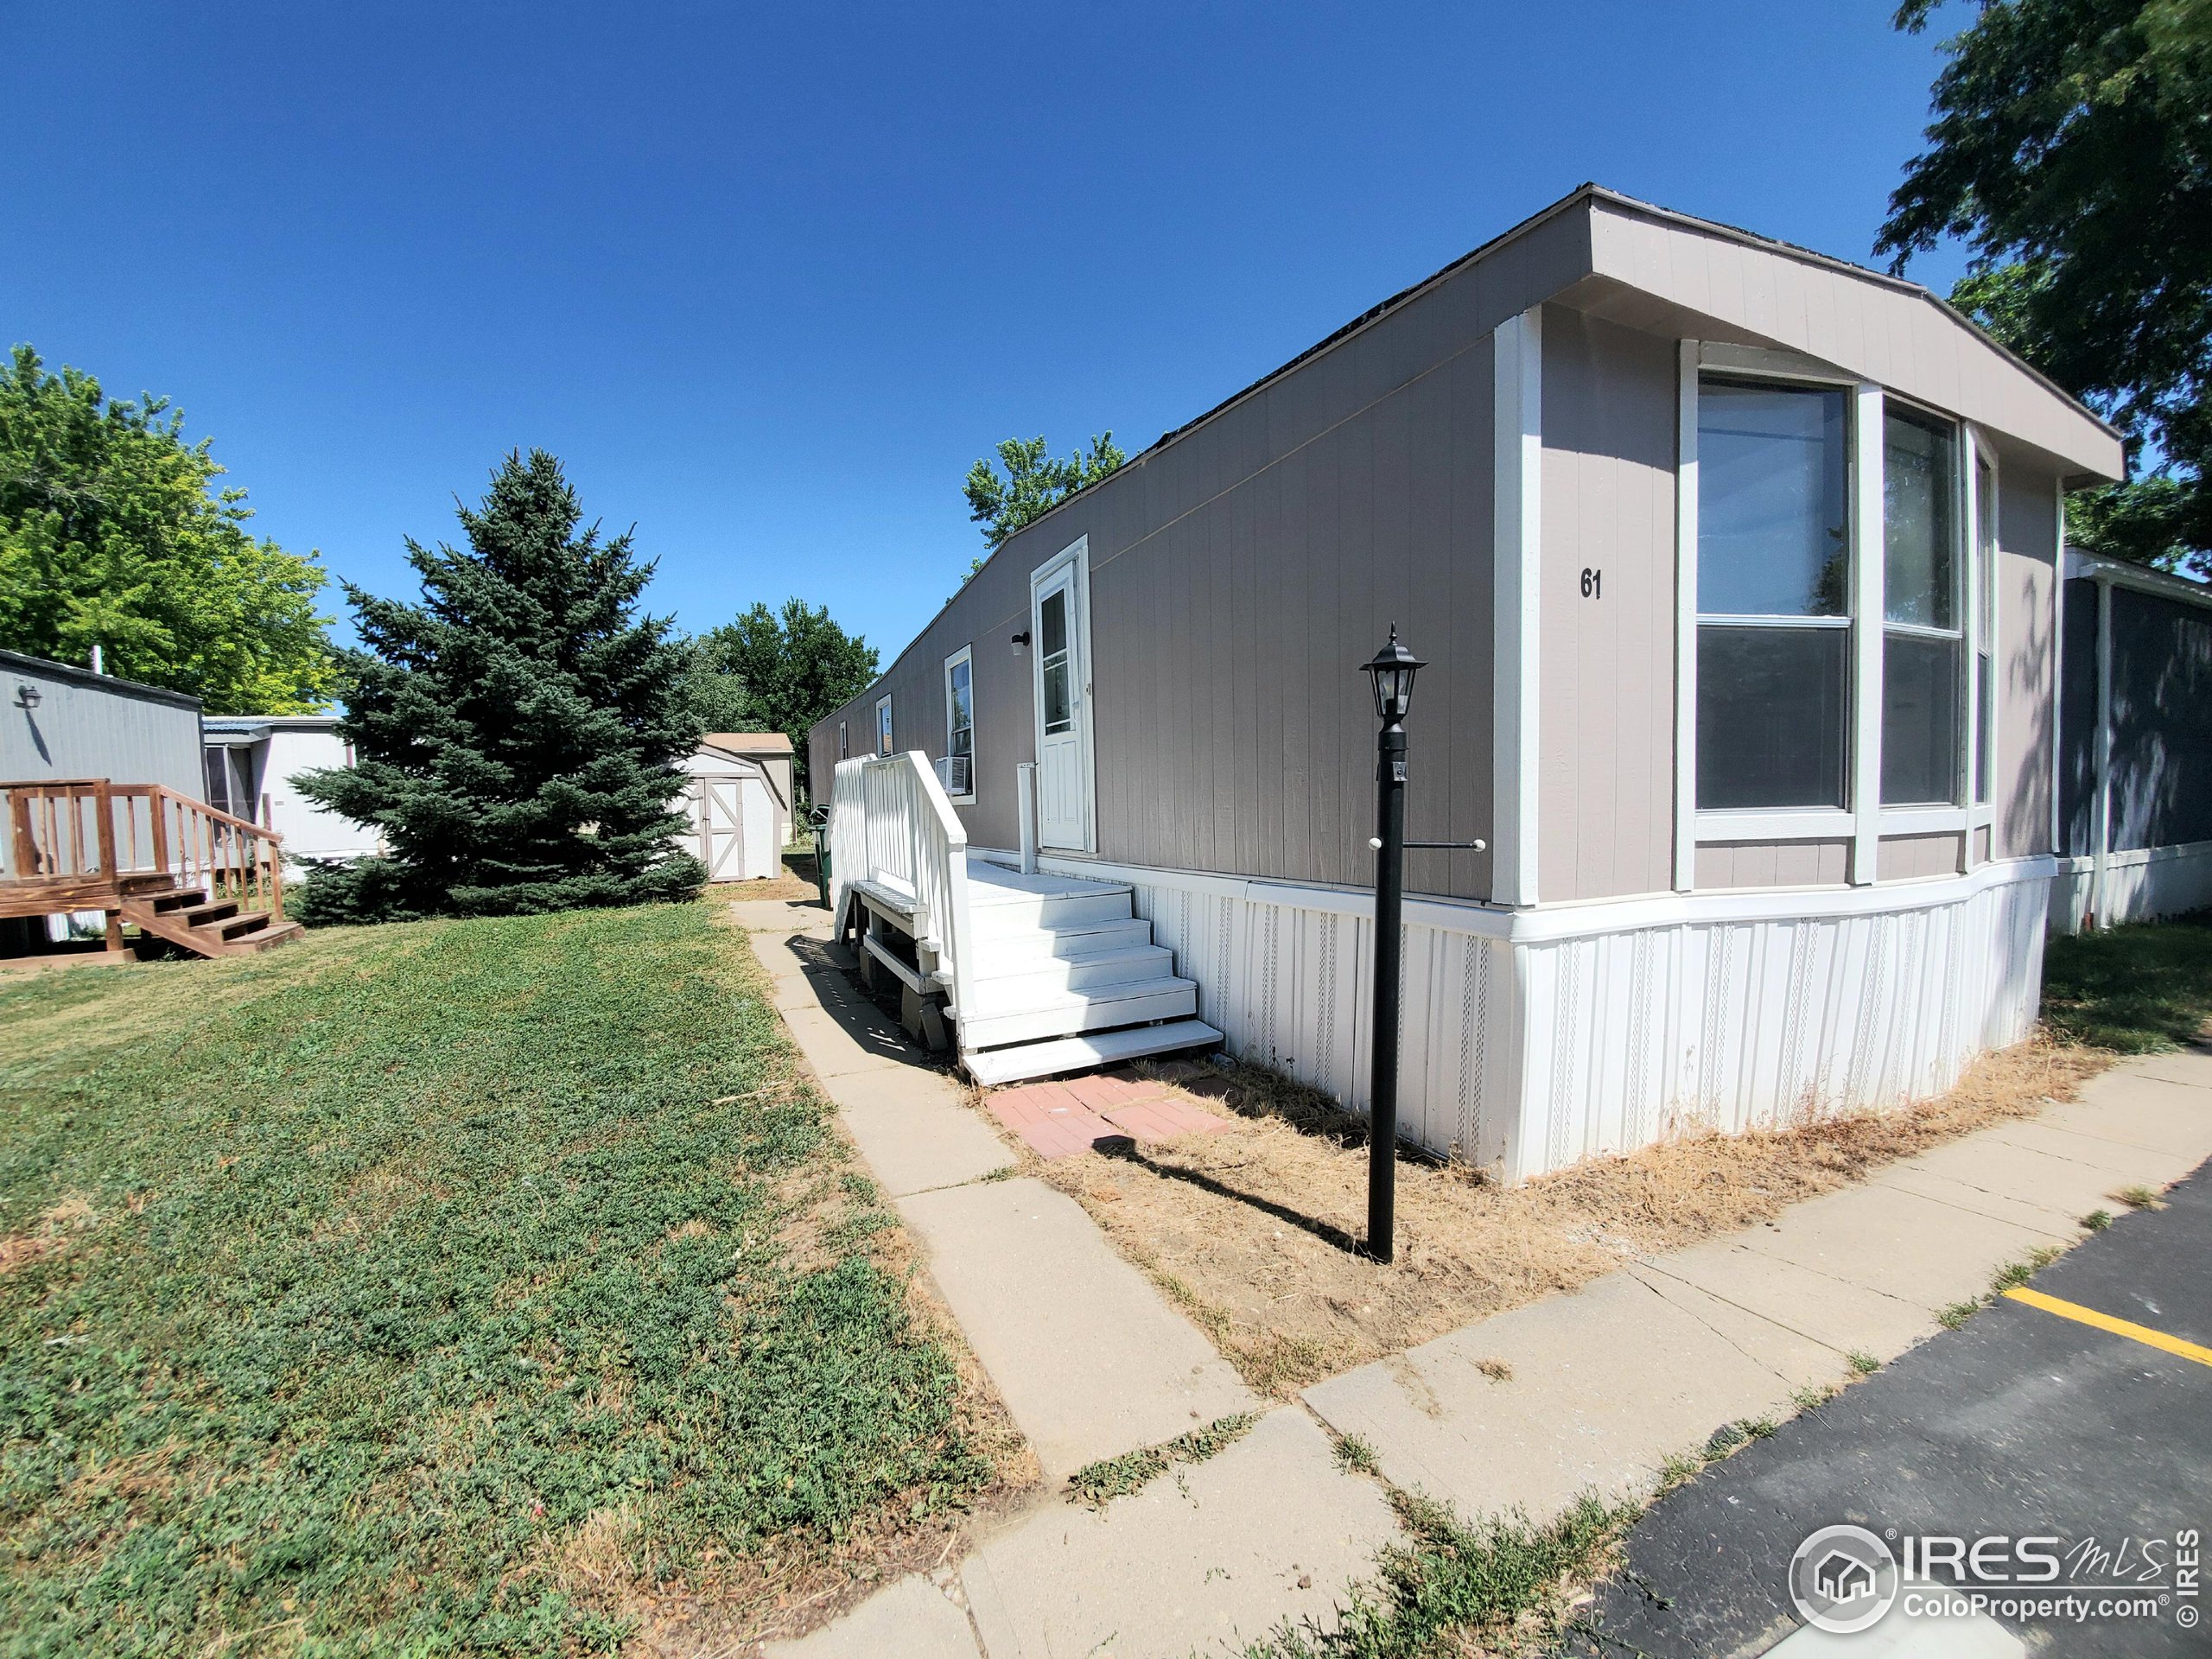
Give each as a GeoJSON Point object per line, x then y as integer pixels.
{"type": "Point", "coordinates": [768, 280]}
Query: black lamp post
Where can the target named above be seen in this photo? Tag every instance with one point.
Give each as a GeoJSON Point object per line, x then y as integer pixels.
{"type": "Point", "coordinates": [1392, 670]}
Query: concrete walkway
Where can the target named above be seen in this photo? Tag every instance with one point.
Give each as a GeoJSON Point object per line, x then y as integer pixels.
{"type": "Point", "coordinates": [1092, 1361]}
{"type": "Point", "coordinates": [1599, 1388]}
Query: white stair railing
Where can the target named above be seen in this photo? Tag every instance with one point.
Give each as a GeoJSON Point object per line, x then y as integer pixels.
{"type": "Point", "coordinates": [892, 824]}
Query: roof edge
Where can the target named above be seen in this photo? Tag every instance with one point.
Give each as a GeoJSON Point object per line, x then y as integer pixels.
{"type": "Point", "coordinates": [23, 663]}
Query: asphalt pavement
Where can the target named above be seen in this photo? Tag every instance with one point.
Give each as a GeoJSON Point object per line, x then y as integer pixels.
{"type": "Point", "coordinates": [2025, 1424]}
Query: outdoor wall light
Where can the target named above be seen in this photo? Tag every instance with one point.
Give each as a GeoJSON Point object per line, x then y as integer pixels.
{"type": "Point", "coordinates": [1021, 638]}
{"type": "Point", "coordinates": [27, 697]}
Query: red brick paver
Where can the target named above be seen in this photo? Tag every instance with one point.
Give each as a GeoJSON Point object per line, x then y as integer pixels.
{"type": "Point", "coordinates": [1059, 1119]}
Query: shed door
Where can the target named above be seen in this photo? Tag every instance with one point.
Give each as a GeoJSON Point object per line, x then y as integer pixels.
{"type": "Point", "coordinates": [1059, 626]}
{"type": "Point", "coordinates": [727, 838]}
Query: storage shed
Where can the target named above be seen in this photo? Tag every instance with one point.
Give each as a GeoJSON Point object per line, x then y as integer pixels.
{"type": "Point", "coordinates": [739, 804]}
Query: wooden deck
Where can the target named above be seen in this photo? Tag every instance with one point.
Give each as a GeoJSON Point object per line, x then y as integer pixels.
{"type": "Point", "coordinates": [146, 857]}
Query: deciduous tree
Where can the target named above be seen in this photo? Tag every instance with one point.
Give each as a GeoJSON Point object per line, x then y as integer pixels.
{"type": "Point", "coordinates": [2071, 149]}
{"type": "Point", "coordinates": [796, 666]}
{"type": "Point", "coordinates": [114, 534]}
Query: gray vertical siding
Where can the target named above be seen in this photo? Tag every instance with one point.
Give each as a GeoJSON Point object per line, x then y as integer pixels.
{"type": "Point", "coordinates": [2077, 716]}
{"type": "Point", "coordinates": [1239, 574]}
{"type": "Point", "coordinates": [1606, 721]}
{"type": "Point", "coordinates": [2026, 664]}
{"type": "Point", "coordinates": [1773, 864]}
{"type": "Point", "coordinates": [87, 726]}
{"type": "Point", "coordinates": [1908, 858]}
{"type": "Point", "coordinates": [1242, 569]}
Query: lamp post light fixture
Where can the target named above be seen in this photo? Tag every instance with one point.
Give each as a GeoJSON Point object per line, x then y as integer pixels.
{"type": "Point", "coordinates": [1392, 671]}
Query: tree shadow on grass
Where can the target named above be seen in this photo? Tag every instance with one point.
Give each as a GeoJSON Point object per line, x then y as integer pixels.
{"type": "Point", "coordinates": [2139, 989]}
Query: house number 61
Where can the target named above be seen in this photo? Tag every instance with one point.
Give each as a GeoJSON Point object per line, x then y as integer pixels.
{"type": "Point", "coordinates": [1593, 583]}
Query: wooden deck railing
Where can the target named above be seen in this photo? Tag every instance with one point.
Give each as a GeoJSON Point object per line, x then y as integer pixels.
{"type": "Point", "coordinates": [89, 831]}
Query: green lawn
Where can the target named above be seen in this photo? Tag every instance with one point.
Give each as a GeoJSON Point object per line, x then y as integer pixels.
{"type": "Point", "coordinates": [2137, 989]}
{"type": "Point", "coordinates": [345, 1285]}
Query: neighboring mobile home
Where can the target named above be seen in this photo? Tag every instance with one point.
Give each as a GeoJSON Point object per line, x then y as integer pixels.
{"type": "Point", "coordinates": [1737, 570]}
{"type": "Point", "coordinates": [251, 761]}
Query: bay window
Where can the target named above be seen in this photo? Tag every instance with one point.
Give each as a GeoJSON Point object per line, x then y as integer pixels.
{"type": "Point", "coordinates": [1773, 596]}
{"type": "Point", "coordinates": [1839, 610]}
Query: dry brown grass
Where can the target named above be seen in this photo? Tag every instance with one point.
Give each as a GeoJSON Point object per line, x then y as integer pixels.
{"type": "Point", "coordinates": [1252, 1229]}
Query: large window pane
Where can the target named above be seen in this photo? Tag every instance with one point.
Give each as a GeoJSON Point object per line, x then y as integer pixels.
{"type": "Point", "coordinates": [1919, 522]}
{"type": "Point", "coordinates": [1771, 716]}
{"type": "Point", "coordinates": [1773, 537]}
{"type": "Point", "coordinates": [1919, 721]}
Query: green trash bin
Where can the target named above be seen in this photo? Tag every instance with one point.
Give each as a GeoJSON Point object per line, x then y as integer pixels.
{"type": "Point", "coordinates": [819, 817]}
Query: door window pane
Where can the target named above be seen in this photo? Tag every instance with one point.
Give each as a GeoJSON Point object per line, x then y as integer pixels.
{"type": "Point", "coordinates": [1771, 716]}
{"type": "Point", "coordinates": [1773, 534]}
{"type": "Point", "coordinates": [960, 738]}
{"type": "Point", "coordinates": [1052, 631]}
{"type": "Point", "coordinates": [1919, 522]}
{"type": "Point", "coordinates": [1919, 721]}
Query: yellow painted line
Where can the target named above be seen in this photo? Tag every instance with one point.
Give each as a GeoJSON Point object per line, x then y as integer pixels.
{"type": "Point", "coordinates": [2082, 1315]}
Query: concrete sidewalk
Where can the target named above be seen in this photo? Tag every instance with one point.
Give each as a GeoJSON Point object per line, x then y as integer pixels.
{"type": "Point", "coordinates": [1092, 1361]}
{"type": "Point", "coordinates": [1599, 1388]}
{"type": "Point", "coordinates": [1609, 1381]}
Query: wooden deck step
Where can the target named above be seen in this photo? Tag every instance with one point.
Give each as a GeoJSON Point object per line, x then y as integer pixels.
{"type": "Point", "coordinates": [992, 1066]}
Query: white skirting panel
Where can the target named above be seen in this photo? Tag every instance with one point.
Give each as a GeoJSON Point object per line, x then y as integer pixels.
{"type": "Point", "coordinates": [1534, 1038]}
{"type": "Point", "coordinates": [1634, 1036]}
{"type": "Point", "coordinates": [2139, 887]}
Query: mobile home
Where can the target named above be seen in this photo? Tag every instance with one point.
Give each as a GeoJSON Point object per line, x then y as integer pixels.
{"type": "Point", "coordinates": [1738, 572]}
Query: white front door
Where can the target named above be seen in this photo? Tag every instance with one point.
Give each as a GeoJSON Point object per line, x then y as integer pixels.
{"type": "Point", "coordinates": [1059, 625]}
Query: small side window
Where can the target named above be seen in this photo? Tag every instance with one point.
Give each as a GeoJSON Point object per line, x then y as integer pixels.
{"type": "Point", "coordinates": [960, 724]}
{"type": "Point", "coordinates": [883, 725]}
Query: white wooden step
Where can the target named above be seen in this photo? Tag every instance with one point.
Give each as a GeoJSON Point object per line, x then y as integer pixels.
{"type": "Point", "coordinates": [998, 1065]}
{"type": "Point", "coordinates": [1025, 913]}
{"type": "Point", "coordinates": [1027, 1016]}
{"type": "Point", "coordinates": [1041, 944]}
{"type": "Point", "coordinates": [997, 977]}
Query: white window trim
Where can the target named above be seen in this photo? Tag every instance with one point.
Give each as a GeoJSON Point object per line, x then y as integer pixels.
{"type": "Point", "coordinates": [1517, 439]}
{"type": "Point", "coordinates": [1778, 823]}
{"type": "Point", "coordinates": [886, 735]}
{"type": "Point", "coordinates": [844, 741]}
{"type": "Point", "coordinates": [1688, 827]}
{"type": "Point", "coordinates": [965, 654]}
{"type": "Point", "coordinates": [1868, 558]}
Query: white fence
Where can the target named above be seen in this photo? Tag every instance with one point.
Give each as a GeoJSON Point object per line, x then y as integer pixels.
{"type": "Point", "coordinates": [890, 825]}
